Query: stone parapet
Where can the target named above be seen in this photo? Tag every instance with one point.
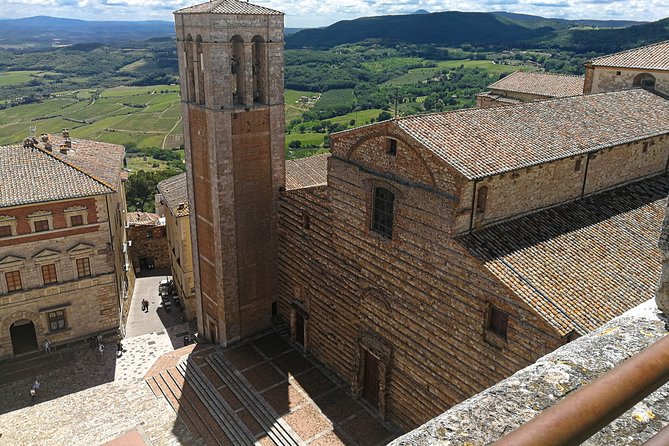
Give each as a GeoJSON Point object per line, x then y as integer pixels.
{"type": "Point", "coordinates": [489, 415]}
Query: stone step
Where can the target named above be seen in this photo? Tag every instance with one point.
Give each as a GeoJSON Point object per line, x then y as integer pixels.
{"type": "Point", "coordinates": [161, 389]}
{"type": "Point", "coordinates": [277, 429]}
{"type": "Point", "coordinates": [214, 403]}
{"type": "Point", "coordinates": [187, 410]}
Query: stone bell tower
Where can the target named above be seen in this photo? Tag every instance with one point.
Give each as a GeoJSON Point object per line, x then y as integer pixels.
{"type": "Point", "coordinates": [231, 74]}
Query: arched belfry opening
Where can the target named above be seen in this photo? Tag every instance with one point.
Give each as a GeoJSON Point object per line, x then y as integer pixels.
{"type": "Point", "coordinates": [190, 70]}
{"type": "Point", "coordinates": [237, 70]}
{"type": "Point", "coordinates": [259, 57]}
{"type": "Point", "coordinates": [644, 80]}
{"type": "Point", "coordinates": [199, 71]}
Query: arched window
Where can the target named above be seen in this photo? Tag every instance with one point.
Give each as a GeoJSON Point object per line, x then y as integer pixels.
{"type": "Point", "coordinates": [382, 212]}
{"type": "Point", "coordinates": [645, 80]}
{"type": "Point", "coordinates": [259, 69]}
{"type": "Point", "coordinates": [481, 200]}
{"type": "Point", "coordinates": [199, 71]}
{"type": "Point", "coordinates": [237, 70]}
{"type": "Point", "coordinates": [190, 72]}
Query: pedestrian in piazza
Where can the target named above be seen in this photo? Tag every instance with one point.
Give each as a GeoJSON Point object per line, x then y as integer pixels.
{"type": "Point", "coordinates": [47, 346]}
{"type": "Point", "coordinates": [101, 348]}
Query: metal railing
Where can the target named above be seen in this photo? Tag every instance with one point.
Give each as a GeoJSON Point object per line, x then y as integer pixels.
{"type": "Point", "coordinates": [592, 407]}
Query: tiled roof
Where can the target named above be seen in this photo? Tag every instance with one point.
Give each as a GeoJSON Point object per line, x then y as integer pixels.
{"type": "Point", "coordinates": [34, 175]}
{"type": "Point", "coordinates": [488, 141]}
{"type": "Point", "coordinates": [227, 7]}
{"type": "Point", "coordinates": [307, 172]}
{"type": "Point", "coordinates": [175, 194]}
{"type": "Point", "coordinates": [580, 264]}
{"type": "Point", "coordinates": [498, 98]}
{"type": "Point", "coordinates": [136, 218]}
{"type": "Point", "coordinates": [649, 57]}
{"type": "Point", "coordinates": [544, 84]}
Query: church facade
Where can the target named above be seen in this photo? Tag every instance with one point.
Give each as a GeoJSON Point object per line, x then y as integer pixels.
{"type": "Point", "coordinates": [427, 257]}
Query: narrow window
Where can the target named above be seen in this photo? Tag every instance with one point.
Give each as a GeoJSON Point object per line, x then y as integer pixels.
{"type": "Point", "coordinates": [83, 267]}
{"type": "Point", "coordinates": [481, 200]}
{"type": "Point", "coordinates": [49, 274]}
{"type": "Point", "coordinates": [391, 146]}
{"type": "Point", "coordinates": [13, 279]}
{"type": "Point", "coordinates": [76, 220]}
{"type": "Point", "coordinates": [41, 225]}
{"type": "Point", "coordinates": [5, 231]}
{"type": "Point", "coordinates": [498, 321]}
{"type": "Point", "coordinates": [56, 320]}
{"type": "Point", "coordinates": [149, 234]}
{"type": "Point", "coordinates": [382, 212]}
{"type": "Point", "coordinates": [306, 221]}
{"type": "Point", "coordinates": [618, 73]}
{"type": "Point", "coordinates": [645, 147]}
{"type": "Point", "coordinates": [577, 167]}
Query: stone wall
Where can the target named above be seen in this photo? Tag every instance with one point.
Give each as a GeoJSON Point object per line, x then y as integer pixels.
{"type": "Point", "coordinates": [417, 302]}
{"type": "Point", "coordinates": [614, 79]}
{"type": "Point", "coordinates": [149, 247]}
{"type": "Point", "coordinates": [181, 260]}
{"type": "Point", "coordinates": [488, 416]}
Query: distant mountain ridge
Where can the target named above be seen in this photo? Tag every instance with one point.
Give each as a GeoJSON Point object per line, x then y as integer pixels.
{"type": "Point", "coordinates": [490, 29]}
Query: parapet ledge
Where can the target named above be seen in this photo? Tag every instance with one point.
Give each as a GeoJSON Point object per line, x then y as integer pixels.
{"type": "Point", "coordinates": [489, 415]}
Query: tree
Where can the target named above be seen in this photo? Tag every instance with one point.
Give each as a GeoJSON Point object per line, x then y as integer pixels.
{"type": "Point", "coordinates": [141, 186]}
{"type": "Point", "coordinates": [384, 116]}
{"type": "Point", "coordinates": [295, 144]}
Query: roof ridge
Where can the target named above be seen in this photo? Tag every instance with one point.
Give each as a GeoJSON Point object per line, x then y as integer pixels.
{"type": "Point", "coordinates": [629, 50]}
{"type": "Point", "coordinates": [78, 169]}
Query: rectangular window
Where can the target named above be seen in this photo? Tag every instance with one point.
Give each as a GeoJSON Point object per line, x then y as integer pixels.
{"type": "Point", "coordinates": [83, 267]}
{"type": "Point", "coordinates": [49, 274]}
{"type": "Point", "coordinates": [5, 231]}
{"type": "Point", "coordinates": [149, 234]}
{"type": "Point", "coordinates": [56, 320]}
{"type": "Point", "coordinates": [577, 167]}
{"type": "Point", "coordinates": [391, 146]}
{"type": "Point", "coordinates": [382, 212]}
{"type": "Point", "coordinates": [77, 220]}
{"type": "Point", "coordinates": [498, 321]}
{"type": "Point", "coordinates": [41, 225]}
{"type": "Point", "coordinates": [13, 279]}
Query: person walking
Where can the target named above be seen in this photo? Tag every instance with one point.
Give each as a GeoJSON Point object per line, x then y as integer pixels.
{"type": "Point", "coordinates": [34, 390]}
{"type": "Point", "coordinates": [119, 349]}
{"type": "Point", "coordinates": [47, 346]}
{"type": "Point", "coordinates": [101, 348]}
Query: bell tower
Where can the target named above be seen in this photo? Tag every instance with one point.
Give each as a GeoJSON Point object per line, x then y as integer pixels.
{"type": "Point", "coordinates": [231, 74]}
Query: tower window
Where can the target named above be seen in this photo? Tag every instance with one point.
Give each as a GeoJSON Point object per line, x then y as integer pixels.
{"type": "Point", "coordinates": [577, 167]}
{"type": "Point", "coordinates": [481, 199]}
{"type": "Point", "coordinates": [306, 221]}
{"type": "Point", "coordinates": [498, 321]}
{"type": "Point", "coordinates": [382, 212]}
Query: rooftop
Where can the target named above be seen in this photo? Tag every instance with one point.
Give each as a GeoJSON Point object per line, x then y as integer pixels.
{"type": "Point", "coordinates": [136, 218]}
{"type": "Point", "coordinates": [228, 7]}
{"type": "Point", "coordinates": [34, 175]}
{"type": "Point", "coordinates": [544, 84]}
{"type": "Point", "coordinates": [175, 194]}
{"type": "Point", "coordinates": [484, 142]}
{"type": "Point", "coordinates": [649, 57]}
{"type": "Point", "coordinates": [307, 172]}
{"type": "Point", "coordinates": [571, 263]}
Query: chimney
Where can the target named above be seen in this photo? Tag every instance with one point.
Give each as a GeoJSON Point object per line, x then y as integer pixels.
{"type": "Point", "coordinates": [47, 146]}
{"type": "Point", "coordinates": [45, 137]}
{"type": "Point", "coordinates": [68, 143]}
{"type": "Point", "coordinates": [66, 133]}
{"type": "Point", "coordinates": [181, 206]}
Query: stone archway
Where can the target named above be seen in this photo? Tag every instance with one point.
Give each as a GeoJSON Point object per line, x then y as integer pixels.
{"type": "Point", "coordinates": [24, 337]}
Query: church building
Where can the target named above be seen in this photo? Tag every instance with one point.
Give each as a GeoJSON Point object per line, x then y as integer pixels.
{"type": "Point", "coordinates": [428, 256]}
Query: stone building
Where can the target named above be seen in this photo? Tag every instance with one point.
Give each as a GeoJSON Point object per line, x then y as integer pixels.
{"type": "Point", "coordinates": [62, 242]}
{"type": "Point", "coordinates": [147, 235]}
{"type": "Point", "coordinates": [523, 86]}
{"type": "Point", "coordinates": [173, 199]}
{"type": "Point", "coordinates": [429, 256]}
{"type": "Point", "coordinates": [644, 67]}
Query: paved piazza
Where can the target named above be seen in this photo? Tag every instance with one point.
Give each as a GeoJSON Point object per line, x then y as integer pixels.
{"type": "Point", "coordinates": [92, 398]}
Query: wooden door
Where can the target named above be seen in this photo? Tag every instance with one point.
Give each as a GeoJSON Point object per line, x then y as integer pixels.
{"type": "Point", "coordinates": [370, 384]}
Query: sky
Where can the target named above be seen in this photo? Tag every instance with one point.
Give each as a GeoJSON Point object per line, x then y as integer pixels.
{"type": "Point", "coordinates": [315, 13]}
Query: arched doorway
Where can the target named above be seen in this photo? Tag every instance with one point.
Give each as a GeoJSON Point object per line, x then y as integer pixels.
{"type": "Point", "coordinates": [24, 338]}
{"type": "Point", "coordinates": [645, 80]}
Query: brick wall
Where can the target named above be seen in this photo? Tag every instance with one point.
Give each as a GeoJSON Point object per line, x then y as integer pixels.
{"type": "Point", "coordinates": [152, 247]}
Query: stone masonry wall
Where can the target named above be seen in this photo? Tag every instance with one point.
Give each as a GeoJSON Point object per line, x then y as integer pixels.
{"type": "Point", "coordinates": [145, 246]}
{"type": "Point", "coordinates": [606, 79]}
{"type": "Point", "coordinates": [418, 302]}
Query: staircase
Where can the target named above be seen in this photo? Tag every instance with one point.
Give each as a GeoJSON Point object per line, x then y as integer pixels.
{"type": "Point", "coordinates": [207, 415]}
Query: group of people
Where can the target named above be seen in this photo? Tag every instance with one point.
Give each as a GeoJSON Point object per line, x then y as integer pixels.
{"type": "Point", "coordinates": [145, 305]}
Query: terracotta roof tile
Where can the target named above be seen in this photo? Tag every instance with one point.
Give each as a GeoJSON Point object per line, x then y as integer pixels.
{"type": "Point", "coordinates": [484, 142]}
{"type": "Point", "coordinates": [549, 85]}
{"type": "Point", "coordinates": [649, 57]}
{"type": "Point", "coordinates": [580, 264]}
{"type": "Point", "coordinates": [175, 194]}
{"type": "Point", "coordinates": [33, 175]}
{"type": "Point", "coordinates": [136, 218]}
{"type": "Point", "coordinates": [227, 7]}
{"type": "Point", "coordinates": [307, 172]}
